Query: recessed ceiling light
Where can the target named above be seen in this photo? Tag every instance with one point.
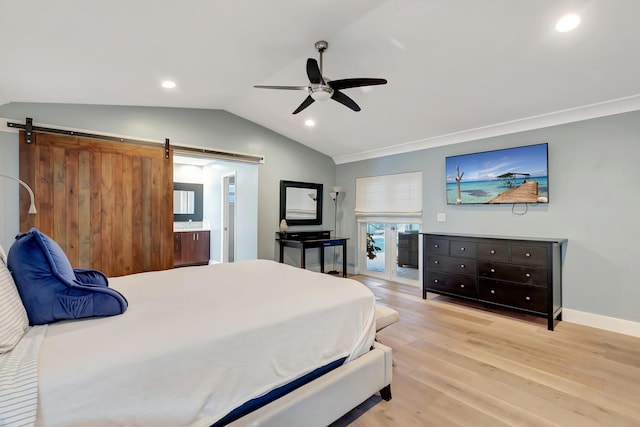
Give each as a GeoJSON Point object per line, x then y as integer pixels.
{"type": "Point", "coordinates": [310, 123]}
{"type": "Point", "coordinates": [567, 23]}
{"type": "Point", "coordinates": [168, 84]}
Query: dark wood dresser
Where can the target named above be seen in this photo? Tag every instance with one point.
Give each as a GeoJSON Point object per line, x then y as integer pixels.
{"type": "Point", "coordinates": [408, 249]}
{"type": "Point", "coordinates": [524, 274]}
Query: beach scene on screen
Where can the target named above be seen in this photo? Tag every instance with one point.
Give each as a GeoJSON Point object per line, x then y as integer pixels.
{"type": "Point", "coordinates": [512, 175]}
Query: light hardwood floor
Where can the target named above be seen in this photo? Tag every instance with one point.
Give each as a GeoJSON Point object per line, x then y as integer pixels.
{"type": "Point", "coordinates": [461, 364]}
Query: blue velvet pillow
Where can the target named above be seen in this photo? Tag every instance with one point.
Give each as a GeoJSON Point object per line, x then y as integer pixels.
{"type": "Point", "coordinates": [51, 289]}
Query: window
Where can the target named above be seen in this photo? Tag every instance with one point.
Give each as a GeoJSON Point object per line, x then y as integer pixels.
{"type": "Point", "coordinates": [398, 195]}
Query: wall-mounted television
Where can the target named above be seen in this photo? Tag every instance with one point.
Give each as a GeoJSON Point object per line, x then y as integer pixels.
{"type": "Point", "coordinates": [510, 175]}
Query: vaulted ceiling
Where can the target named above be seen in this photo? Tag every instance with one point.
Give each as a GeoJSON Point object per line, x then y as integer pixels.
{"type": "Point", "coordinates": [456, 69]}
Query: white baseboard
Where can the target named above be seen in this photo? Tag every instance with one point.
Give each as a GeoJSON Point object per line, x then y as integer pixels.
{"type": "Point", "coordinates": [611, 324]}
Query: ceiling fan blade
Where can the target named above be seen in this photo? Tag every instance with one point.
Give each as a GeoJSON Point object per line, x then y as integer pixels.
{"type": "Point", "coordinates": [345, 100]}
{"type": "Point", "coordinates": [283, 87]}
{"type": "Point", "coordinates": [313, 71]}
{"type": "Point", "coordinates": [304, 104]}
{"type": "Point", "coordinates": [347, 83]}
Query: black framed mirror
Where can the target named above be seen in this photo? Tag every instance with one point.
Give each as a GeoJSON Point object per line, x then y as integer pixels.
{"type": "Point", "coordinates": [187, 202]}
{"type": "Point", "coordinates": [301, 203]}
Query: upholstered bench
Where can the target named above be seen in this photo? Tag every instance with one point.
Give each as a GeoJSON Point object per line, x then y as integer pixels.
{"type": "Point", "coordinates": [385, 316]}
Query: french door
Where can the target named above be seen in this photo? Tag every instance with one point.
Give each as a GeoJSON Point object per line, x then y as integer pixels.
{"type": "Point", "coordinates": [389, 250]}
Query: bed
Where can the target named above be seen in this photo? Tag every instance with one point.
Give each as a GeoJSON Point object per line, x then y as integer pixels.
{"type": "Point", "coordinates": [198, 345]}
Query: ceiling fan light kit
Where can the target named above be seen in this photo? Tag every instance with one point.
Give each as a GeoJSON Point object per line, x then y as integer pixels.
{"type": "Point", "coordinates": [321, 93]}
{"type": "Point", "coordinates": [321, 89]}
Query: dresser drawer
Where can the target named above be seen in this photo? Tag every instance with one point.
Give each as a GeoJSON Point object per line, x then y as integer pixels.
{"type": "Point", "coordinates": [452, 265]}
{"type": "Point", "coordinates": [524, 297]}
{"type": "Point", "coordinates": [436, 246]}
{"type": "Point", "coordinates": [463, 248]}
{"type": "Point", "coordinates": [304, 235]}
{"type": "Point", "coordinates": [493, 251]}
{"type": "Point", "coordinates": [533, 255]}
{"type": "Point", "coordinates": [455, 284]}
{"type": "Point", "coordinates": [529, 275]}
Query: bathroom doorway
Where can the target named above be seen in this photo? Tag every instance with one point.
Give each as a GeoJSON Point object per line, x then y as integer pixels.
{"type": "Point", "coordinates": [228, 218]}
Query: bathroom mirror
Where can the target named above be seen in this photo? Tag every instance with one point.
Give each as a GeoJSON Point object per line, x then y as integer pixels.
{"type": "Point", "coordinates": [187, 202]}
{"type": "Point", "coordinates": [301, 203]}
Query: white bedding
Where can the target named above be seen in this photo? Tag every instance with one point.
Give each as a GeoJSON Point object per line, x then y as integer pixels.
{"type": "Point", "coordinates": [197, 342]}
{"type": "Point", "coordinates": [19, 380]}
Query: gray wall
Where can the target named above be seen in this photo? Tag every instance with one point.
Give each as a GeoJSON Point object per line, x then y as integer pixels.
{"type": "Point", "coordinates": [594, 199]}
{"type": "Point", "coordinates": [593, 176]}
{"type": "Point", "coordinates": [8, 190]}
{"type": "Point", "coordinates": [284, 158]}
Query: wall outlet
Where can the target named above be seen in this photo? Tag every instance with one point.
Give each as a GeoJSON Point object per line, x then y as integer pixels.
{"type": "Point", "coordinates": [441, 216]}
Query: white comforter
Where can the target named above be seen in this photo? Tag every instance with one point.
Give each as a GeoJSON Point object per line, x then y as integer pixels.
{"type": "Point", "coordinates": [197, 342]}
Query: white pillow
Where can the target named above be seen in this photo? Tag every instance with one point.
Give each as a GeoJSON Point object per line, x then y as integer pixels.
{"type": "Point", "coordinates": [13, 316]}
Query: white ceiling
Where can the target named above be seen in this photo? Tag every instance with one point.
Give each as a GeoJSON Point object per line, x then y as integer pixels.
{"type": "Point", "coordinates": [457, 69]}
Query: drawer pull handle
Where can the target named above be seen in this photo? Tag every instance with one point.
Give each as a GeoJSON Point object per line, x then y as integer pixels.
{"type": "Point", "coordinates": [461, 265]}
{"type": "Point", "coordinates": [462, 286]}
{"type": "Point", "coordinates": [436, 246]}
{"type": "Point", "coordinates": [493, 270]}
{"type": "Point", "coordinates": [436, 262]}
{"type": "Point", "coordinates": [493, 251]}
{"type": "Point", "coordinates": [527, 254]}
{"type": "Point", "coordinates": [493, 291]}
{"type": "Point", "coordinates": [463, 249]}
{"type": "Point", "coordinates": [527, 298]}
{"type": "Point", "coordinates": [528, 275]}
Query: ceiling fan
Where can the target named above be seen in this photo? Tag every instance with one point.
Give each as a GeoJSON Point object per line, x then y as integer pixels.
{"type": "Point", "coordinates": [320, 88]}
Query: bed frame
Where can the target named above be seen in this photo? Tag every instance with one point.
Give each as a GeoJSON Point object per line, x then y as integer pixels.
{"type": "Point", "coordinates": [327, 398]}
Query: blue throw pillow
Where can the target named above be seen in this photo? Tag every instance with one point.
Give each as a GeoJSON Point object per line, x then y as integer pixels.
{"type": "Point", "coordinates": [51, 289]}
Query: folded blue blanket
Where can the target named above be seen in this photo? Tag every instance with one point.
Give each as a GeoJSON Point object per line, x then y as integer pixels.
{"type": "Point", "coordinates": [51, 289]}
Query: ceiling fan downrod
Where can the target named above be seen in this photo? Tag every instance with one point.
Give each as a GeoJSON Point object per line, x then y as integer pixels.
{"type": "Point", "coordinates": [321, 46]}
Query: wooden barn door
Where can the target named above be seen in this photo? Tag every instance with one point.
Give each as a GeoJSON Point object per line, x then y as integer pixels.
{"type": "Point", "coordinates": [109, 205]}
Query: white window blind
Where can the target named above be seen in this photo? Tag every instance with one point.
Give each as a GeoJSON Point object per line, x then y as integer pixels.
{"type": "Point", "coordinates": [398, 195]}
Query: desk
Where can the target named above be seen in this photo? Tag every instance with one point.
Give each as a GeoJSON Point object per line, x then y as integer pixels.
{"type": "Point", "coordinates": [302, 243]}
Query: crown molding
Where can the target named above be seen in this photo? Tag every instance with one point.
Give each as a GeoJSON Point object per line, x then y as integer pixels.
{"type": "Point", "coordinates": [587, 112]}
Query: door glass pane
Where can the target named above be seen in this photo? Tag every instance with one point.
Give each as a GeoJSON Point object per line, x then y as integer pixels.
{"type": "Point", "coordinates": [375, 255]}
{"type": "Point", "coordinates": [406, 265]}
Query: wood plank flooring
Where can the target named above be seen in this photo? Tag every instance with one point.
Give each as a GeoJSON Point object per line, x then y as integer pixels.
{"type": "Point", "coordinates": [461, 364]}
